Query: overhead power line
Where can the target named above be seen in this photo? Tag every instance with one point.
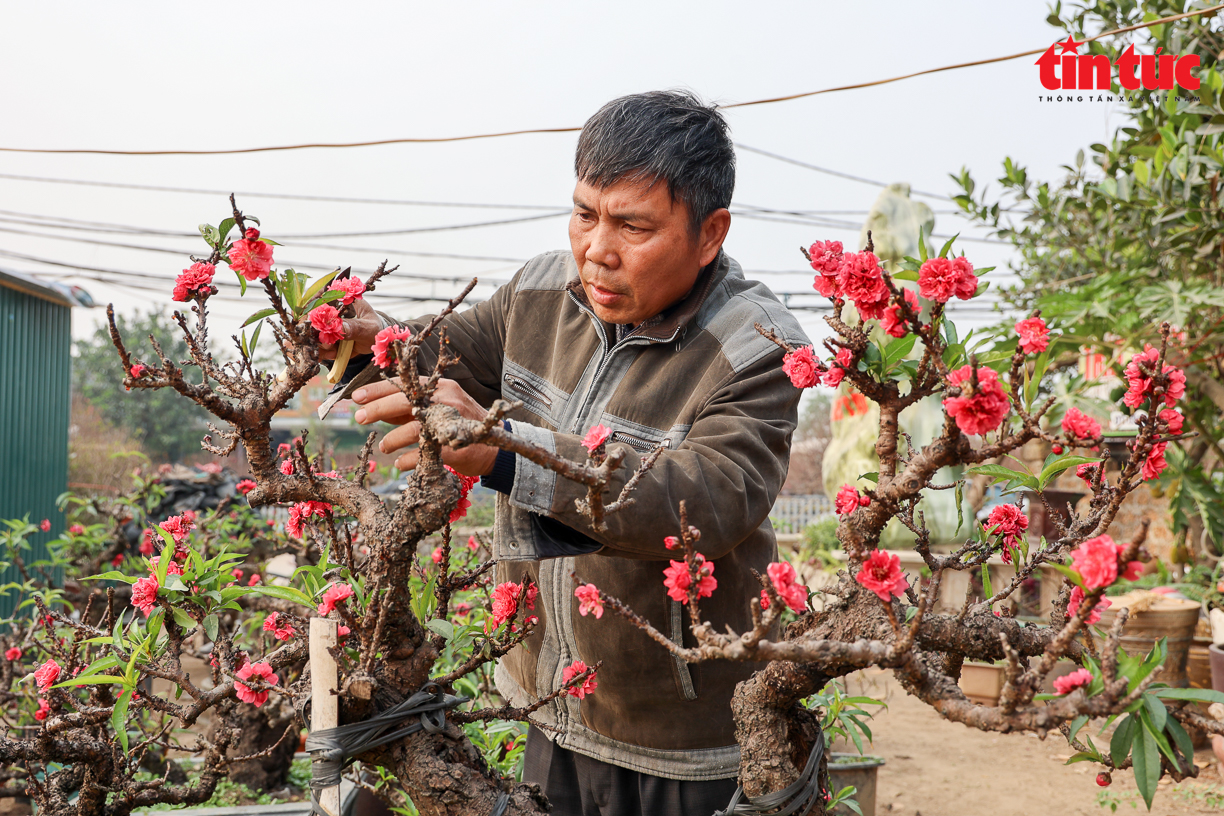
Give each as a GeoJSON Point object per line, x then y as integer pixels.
{"type": "Point", "coordinates": [286, 196]}
{"type": "Point", "coordinates": [770, 100]}
{"type": "Point", "coordinates": [830, 172]}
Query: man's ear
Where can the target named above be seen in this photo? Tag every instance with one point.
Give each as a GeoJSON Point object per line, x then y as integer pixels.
{"type": "Point", "coordinates": [713, 232]}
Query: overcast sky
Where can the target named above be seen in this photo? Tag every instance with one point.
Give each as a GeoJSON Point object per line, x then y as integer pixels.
{"type": "Point", "coordinates": [150, 76]}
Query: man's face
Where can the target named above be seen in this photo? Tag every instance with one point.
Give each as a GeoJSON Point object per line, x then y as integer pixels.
{"type": "Point", "coordinates": [635, 253]}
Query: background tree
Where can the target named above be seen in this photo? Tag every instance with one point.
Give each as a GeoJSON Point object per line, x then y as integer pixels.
{"type": "Point", "coordinates": [167, 425]}
{"type": "Point", "coordinates": [1132, 238]}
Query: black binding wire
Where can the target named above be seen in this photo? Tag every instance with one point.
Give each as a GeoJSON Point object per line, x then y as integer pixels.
{"type": "Point", "coordinates": [333, 749]}
{"type": "Point", "coordinates": [798, 798]}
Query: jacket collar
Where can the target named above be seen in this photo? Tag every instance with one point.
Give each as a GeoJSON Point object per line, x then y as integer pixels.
{"type": "Point", "coordinates": [671, 320]}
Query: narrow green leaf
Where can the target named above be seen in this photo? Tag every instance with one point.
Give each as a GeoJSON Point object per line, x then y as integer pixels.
{"type": "Point", "coordinates": [922, 250]}
{"type": "Point", "coordinates": [441, 627]}
{"type": "Point", "coordinates": [1184, 744]}
{"type": "Point", "coordinates": [260, 315]}
{"type": "Point", "coordinates": [210, 626]}
{"type": "Point", "coordinates": [1195, 695]}
{"type": "Point", "coordinates": [1146, 759]}
{"type": "Point", "coordinates": [112, 576]}
{"type": "Point", "coordinates": [284, 593]}
{"type": "Point", "coordinates": [1072, 576]}
{"type": "Point", "coordinates": [119, 718]}
{"type": "Point", "coordinates": [1031, 383]}
{"type": "Point", "coordinates": [943, 252]}
{"type": "Point", "coordinates": [224, 230]}
{"type": "Point", "coordinates": [986, 588]}
{"type": "Point", "coordinates": [1051, 470]}
{"type": "Point", "coordinates": [1076, 724]}
{"type": "Point", "coordinates": [959, 493]}
{"type": "Point", "coordinates": [242, 282]}
{"type": "Point", "coordinates": [320, 284]}
{"type": "Point", "coordinates": [255, 339]}
{"type": "Point", "coordinates": [90, 680]}
{"type": "Point", "coordinates": [184, 620]}
{"type": "Point", "coordinates": [1156, 711]}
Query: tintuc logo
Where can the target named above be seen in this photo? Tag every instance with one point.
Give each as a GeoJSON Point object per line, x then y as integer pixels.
{"type": "Point", "coordinates": [1087, 72]}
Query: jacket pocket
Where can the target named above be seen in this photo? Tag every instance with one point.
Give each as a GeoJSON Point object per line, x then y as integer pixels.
{"type": "Point", "coordinates": [527, 390]}
{"type": "Point", "coordinates": [639, 444]}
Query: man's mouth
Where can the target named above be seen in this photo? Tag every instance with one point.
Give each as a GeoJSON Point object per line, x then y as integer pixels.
{"type": "Point", "coordinates": [604, 297]}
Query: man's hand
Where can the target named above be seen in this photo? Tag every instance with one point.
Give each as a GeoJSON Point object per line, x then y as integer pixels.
{"type": "Point", "coordinates": [361, 328]}
{"type": "Point", "coordinates": [384, 401]}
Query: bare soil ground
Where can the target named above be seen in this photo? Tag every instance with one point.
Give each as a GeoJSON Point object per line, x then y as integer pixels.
{"type": "Point", "coordinates": [939, 768]}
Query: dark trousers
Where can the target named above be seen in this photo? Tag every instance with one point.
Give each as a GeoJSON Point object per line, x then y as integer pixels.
{"type": "Point", "coordinates": [580, 786]}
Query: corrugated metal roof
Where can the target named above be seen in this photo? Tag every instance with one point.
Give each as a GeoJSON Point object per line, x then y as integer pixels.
{"type": "Point", "coordinates": [59, 293]}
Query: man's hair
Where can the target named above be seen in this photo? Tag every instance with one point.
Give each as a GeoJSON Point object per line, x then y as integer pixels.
{"type": "Point", "coordinates": [666, 136]}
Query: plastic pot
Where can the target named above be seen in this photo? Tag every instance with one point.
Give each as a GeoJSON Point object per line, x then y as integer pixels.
{"type": "Point", "coordinates": [859, 771]}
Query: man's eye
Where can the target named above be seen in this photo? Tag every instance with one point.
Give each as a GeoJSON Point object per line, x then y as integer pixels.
{"type": "Point", "coordinates": [633, 229]}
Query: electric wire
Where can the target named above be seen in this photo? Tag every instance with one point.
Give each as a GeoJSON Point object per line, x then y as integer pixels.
{"type": "Point", "coordinates": [770, 100]}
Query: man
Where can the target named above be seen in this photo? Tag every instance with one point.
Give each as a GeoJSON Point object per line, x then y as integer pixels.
{"type": "Point", "coordinates": [645, 327]}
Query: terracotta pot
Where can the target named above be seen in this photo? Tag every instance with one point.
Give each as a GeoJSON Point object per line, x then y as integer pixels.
{"type": "Point", "coordinates": [982, 682]}
{"type": "Point", "coordinates": [1198, 664]}
{"type": "Point", "coordinates": [1170, 618]}
{"type": "Point", "coordinates": [859, 771]}
{"type": "Point", "coordinates": [1216, 655]}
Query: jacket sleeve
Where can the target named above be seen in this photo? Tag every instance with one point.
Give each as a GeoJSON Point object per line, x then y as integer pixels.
{"type": "Point", "coordinates": [728, 471]}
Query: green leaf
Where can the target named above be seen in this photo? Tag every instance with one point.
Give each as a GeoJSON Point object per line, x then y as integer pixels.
{"type": "Point", "coordinates": [320, 284]}
{"type": "Point", "coordinates": [1076, 724]}
{"type": "Point", "coordinates": [1123, 736]}
{"type": "Point", "coordinates": [873, 477]}
{"type": "Point", "coordinates": [950, 332]}
{"type": "Point", "coordinates": [224, 230]}
{"type": "Point", "coordinates": [959, 493]}
{"type": "Point", "coordinates": [1156, 711]}
{"type": "Point", "coordinates": [441, 627]}
{"type": "Point", "coordinates": [112, 576]}
{"type": "Point", "coordinates": [260, 315]}
{"type": "Point", "coordinates": [90, 680]}
{"type": "Point", "coordinates": [1146, 759]}
{"type": "Point", "coordinates": [986, 588]}
{"type": "Point", "coordinates": [1184, 744]}
{"type": "Point", "coordinates": [184, 620]}
{"type": "Point", "coordinates": [1050, 471]}
{"type": "Point", "coordinates": [284, 593]}
{"type": "Point", "coordinates": [1082, 756]}
{"type": "Point", "coordinates": [119, 718]}
{"type": "Point", "coordinates": [1194, 695]}
{"type": "Point", "coordinates": [1031, 383]}
{"type": "Point", "coordinates": [905, 275]}
{"type": "Point", "coordinates": [1072, 576]}
{"type": "Point", "coordinates": [255, 339]}
{"type": "Point", "coordinates": [922, 250]}
{"type": "Point", "coordinates": [210, 626]}
{"type": "Point", "coordinates": [898, 349]}
{"type": "Point", "coordinates": [174, 582]}
{"type": "Point", "coordinates": [943, 252]}
{"type": "Point", "coordinates": [242, 282]}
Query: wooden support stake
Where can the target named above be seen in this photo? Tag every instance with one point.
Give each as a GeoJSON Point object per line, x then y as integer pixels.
{"type": "Point", "coordinates": [324, 700]}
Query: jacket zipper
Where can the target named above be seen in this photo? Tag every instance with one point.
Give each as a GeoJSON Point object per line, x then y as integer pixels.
{"type": "Point", "coordinates": [524, 387]}
{"type": "Point", "coordinates": [637, 442]}
{"type": "Point", "coordinates": [607, 355]}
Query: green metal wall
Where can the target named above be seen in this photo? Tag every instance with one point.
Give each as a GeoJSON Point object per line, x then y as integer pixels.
{"type": "Point", "coordinates": [35, 336]}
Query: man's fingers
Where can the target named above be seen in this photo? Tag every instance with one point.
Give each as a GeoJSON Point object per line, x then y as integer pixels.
{"type": "Point", "coordinates": [409, 460]}
{"type": "Point", "coordinates": [375, 390]}
{"type": "Point", "coordinates": [400, 437]}
{"type": "Point", "coordinates": [394, 409]}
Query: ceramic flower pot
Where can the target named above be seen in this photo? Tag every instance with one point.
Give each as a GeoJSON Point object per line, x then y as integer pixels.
{"type": "Point", "coordinates": [1170, 618]}
{"type": "Point", "coordinates": [982, 682]}
{"type": "Point", "coordinates": [859, 771]}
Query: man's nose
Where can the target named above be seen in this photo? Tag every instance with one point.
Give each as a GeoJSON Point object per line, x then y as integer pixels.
{"type": "Point", "coordinates": [602, 250]}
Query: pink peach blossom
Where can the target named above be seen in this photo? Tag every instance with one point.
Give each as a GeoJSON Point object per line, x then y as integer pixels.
{"type": "Point", "coordinates": [1069, 683]}
{"type": "Point", "coordinates": [194, 280]}
{"type": "Point", "coordinates": [802, 367]}
{"type": "Point", "coordinates": [589, 600]}
{"type": "Point", "coordinates": [383, 348]}
{"type": "Point", "coordinates": [881, 574]}
{"type": "Point", "coordinates": [335, 594]}
{"type": "Point", "coordinates": [586, 686]}
{"type": "Point", "coordinates": [595, 437]}
{"type": "Point", "coordinates": [251, 258]}
{"type": "Point", "coordinates": [1034, 336]}
{"type": "Point", "coordinates": [326, 320]}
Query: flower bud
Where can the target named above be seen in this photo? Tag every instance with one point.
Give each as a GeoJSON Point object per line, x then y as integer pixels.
{"type": "Point", "coordinates": [1057, 448]}
{"type": "Point", "coordinates": [864, 500]}
{"type": "Point", "coordinates": [251, 234]}
{"type": "Point", "coordinates": [1104, 779]}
